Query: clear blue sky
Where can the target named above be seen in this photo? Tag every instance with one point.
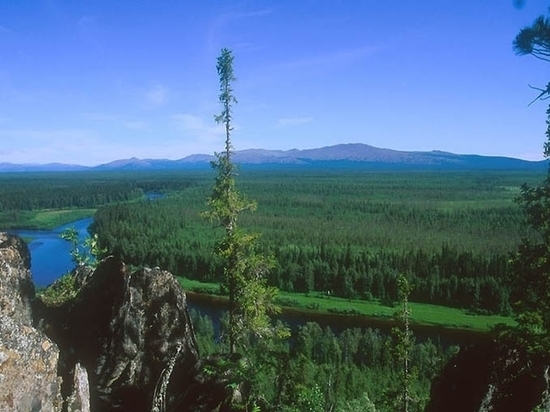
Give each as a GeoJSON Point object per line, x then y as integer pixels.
{"type": "Point", "coordinates": [88, 82]}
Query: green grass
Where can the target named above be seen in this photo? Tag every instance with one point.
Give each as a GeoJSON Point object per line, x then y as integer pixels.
{"type": "Point", "coordinates": [200, 287]}
{"type": "Point", "coordinates": [48, 219]}
{"type": "Point", "coordinates": [421, 313]}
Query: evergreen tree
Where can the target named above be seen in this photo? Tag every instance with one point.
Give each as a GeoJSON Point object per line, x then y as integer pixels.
{"type": "Point", "coordinates": [245, 269]}
{"type": "Point", "coordinates": [404, 343]}
{"type": "Point", "coordinates": [535, 39]}
{"type": "Point", "coordinates": [531, 265]}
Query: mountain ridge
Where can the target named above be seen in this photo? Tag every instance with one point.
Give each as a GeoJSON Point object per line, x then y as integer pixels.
{"type": "Point", "coordinates": [340, 155]}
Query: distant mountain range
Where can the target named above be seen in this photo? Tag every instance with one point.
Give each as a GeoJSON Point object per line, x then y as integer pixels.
{"type": "Point", "coordinates": [352, 155]}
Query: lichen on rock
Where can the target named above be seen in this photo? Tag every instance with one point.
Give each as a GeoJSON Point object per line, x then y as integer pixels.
{"type": "Point", "coordinates": [16, 287]}
{"type": "Point", "coordinates": [28, 358]}
{"type": "Point", "coordinates": [117, 337]}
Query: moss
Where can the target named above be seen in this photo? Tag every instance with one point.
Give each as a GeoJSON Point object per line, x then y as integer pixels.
{"type": "Point", "coordinates": [61, 291]}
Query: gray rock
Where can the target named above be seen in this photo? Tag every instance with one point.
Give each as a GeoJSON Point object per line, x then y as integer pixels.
{"type": "Point", "coordinates": [124, 342]}
{"type": "Point", "coordinates": [16, 287]}
{"type": "Point", "coordinates": [28, 369]}
{"type": "Point", "coordinates": [79, 400]}
{"type": "Point", "coordinates": [28, 358]}
{"type": "Point", "coordinates": [126, 329]}
{"type": "Point", "coordinates": [149, 328]}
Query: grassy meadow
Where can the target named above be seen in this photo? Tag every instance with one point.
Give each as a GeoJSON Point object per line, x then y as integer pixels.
{"type": "Point", "coordinates": [422, 314]}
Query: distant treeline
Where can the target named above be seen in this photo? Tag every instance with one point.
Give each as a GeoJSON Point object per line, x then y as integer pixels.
{"type": "Point", "coordinates": [346, 233]}
{"type": "Point", "coordinates": [21, 192]}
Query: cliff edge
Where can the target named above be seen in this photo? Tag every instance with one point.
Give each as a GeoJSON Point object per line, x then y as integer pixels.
{"type": "Point", "coordinates": [120, 341]}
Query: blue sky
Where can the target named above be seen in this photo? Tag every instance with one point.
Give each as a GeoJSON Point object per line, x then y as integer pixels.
{"type": "Point", "coordinates": [88, 82]}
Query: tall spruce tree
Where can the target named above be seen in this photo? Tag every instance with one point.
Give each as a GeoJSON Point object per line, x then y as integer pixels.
{"type": "Point", "coordinates": [401, 397]}
{"type": "Point", "coordinates": [244, 268]}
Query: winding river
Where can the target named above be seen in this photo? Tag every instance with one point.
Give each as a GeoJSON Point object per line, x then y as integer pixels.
{"type": "Point", "coordinates": [50, 259]}
{"type": "Point", "coordinates": [50, 255]}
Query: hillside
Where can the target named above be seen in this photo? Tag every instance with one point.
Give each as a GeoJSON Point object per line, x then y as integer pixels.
{"type": "Point", "coordinates": [351, 155]}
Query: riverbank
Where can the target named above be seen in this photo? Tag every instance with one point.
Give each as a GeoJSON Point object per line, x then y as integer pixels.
{"type": "Point", "coordinates": [46, 219]}
{"type": "Point", "coordinates": [50, 254]}
{"type": "Point", "coordinates": [359, 312]}
{"type": "Point", "coordinates": [312, 305]}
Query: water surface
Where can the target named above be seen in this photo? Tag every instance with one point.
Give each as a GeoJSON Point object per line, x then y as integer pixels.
{"type": "Point", "coordinates": [50, 255]}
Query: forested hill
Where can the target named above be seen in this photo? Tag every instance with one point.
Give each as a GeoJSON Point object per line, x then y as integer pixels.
{"type": "Point", "coordinates": [352, 155]}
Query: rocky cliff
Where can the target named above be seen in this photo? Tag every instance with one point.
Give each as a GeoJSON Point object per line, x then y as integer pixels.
{"type": "Point", "coordinates": [500, 376]}
{"type": "Point", "coordinates": [28, 358]}
{"type": "Point", "coordinates": [123, 341]}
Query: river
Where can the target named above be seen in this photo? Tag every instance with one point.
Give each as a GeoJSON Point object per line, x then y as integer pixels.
{"type": "Point", "coordinates": [50, 255]}
{"type": "Point", "coordinates": [214, 306]}
{"type": "Point", "coordinates": [50, 259]}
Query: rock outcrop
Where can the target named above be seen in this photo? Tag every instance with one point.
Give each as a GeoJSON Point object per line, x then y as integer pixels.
{"type": "Point", "coordinates": [28, 358]}
{"type": "Point", "coordinates": [79, 400]}
{"type": "Point", "coordinates": [116, 341]}
{"type": "Point", "coordinates": [16, 287]}
{"type": "Point", "coordinates": [492, 376]}
{"type": "Point", "coordinates": [132, 332]}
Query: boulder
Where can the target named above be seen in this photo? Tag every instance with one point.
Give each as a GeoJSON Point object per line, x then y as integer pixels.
{"type": "Point", "coordinates": [79, 400]}
{"type": "Point", "coordinates": [28, 358]}
{"type": "Point", "coordinates": [133, 334]}
{"type": "Point", "coordinates": [28, 369]}
{"type": "Point", "coordinates": [16, 287]}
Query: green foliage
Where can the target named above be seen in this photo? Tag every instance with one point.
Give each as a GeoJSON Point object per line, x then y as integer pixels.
{"type": "Point", "coordinates": [35, 191]}
{"type": "Point", "coordinates": [235, 371]}
{"type": "Point", "coordinates": [400, 396]}
{"type": "Point", "coordinates": [531, 264]}
{"type": "Point", "coordinates": [364, 311]}
{"type": "Point", "coordinates": [61, 291]}
{"type": "Point", "coordinates": [244, 268]}
{"type": "Point", "coordinates": [67, 286]}
{"type": "Point", "coordinates": [89, 253]}
{"type": "Point", "coordinates": [204, 331]}
{"type": "Point", "coordinates": [324, 371]}
{"type": "Point", "coordinates": [49, 199]}
{"type": "Point", "coordinates": [345, 311]}
{"type": "Point", "coordinates": [79, 257]}
{"type": "Point", "coordinates": [362, 404]}
{"type": "Point", "coordinates": [43, 219]}
{"type": "Point", "coordinates": [535, 39]}
{"type": "Point", "coordinates": [451, 233]}
{"type": "Point", "coordinates": [309, 400]}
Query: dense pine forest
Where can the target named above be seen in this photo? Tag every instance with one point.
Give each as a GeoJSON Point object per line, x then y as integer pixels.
{"type": "Point", "coordinates": [318, 369]}
{"type": "Point", "coordinates": [24, 195]}
{"type": "Point", "coordinates": [343, 232]}
{"type": "Point", "coordinates": [346, 233]}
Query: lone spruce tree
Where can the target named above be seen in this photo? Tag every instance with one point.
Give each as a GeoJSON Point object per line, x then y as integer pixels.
{"type": "Point", "coordinates": [244, 268]}
{"type": "Point", "coordinates": [401, 397]}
